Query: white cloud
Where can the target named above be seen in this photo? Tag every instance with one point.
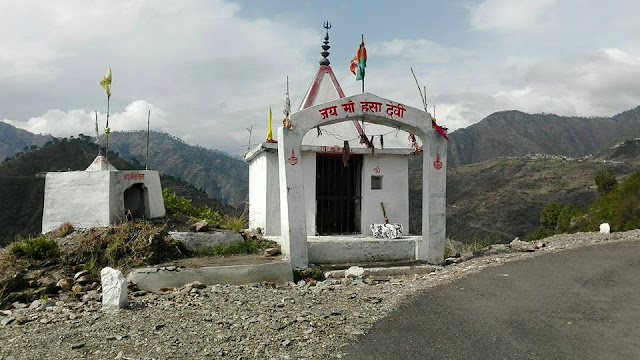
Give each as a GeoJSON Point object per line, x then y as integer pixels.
{"type": "Point", "coordinates": [416, 50]}
{"type": "Point", "coordinates": [73, 122]}
{"type": "Point", "coordinates": [506, 15]}
{"type": "Point", "coordinates": [599, 83]}
{"type": "Point", "coordinates": [213, 69]}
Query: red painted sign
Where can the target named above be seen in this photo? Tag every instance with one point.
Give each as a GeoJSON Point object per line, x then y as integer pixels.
{"type": "Point", "coordinates": [133, 176]}
{"type": "Point", "coordinates": [437, 164]}
{"type": "Point", "coordinates": [365, 106]}
{"type": "Point", "coordinates": [377, 169]}
{"type": "Point", "coordinates": [293, 160]}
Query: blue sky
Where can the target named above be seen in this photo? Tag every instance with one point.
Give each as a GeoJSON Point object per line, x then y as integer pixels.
{"type": "Point", "coordinates": [209, 69]}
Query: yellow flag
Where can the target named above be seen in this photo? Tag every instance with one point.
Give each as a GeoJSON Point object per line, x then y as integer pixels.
{"type": "Point", "coordinates": [106, 82]}
{"type": "Point", "coordinates": [269, 132]}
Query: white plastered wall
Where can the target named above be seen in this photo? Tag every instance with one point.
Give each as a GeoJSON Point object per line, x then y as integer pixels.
{"type": "Point", "coordinates": [258, 193]}
{"type": "Point", "coordinates": [264, 192]}
{"type": "Point", "coordinates": [309, 176]}
{"type": "Point", "coordinates": [121, 182]}
{"type": "Point", "coordinates": [394, 170]}
{"type": "Point", "coordinates": [78, 197]}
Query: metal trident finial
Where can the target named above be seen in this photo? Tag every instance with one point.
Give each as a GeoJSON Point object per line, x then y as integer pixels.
{"type": "Point", "coordinates": [327, 25]}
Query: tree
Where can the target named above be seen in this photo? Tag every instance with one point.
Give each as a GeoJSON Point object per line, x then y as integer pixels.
{"type": "Point", "coordinates": [606, 182]}
{"type": "Point", "coordinates": [566, 215]}
{"type": "Point", "coordinates": [549, 215]}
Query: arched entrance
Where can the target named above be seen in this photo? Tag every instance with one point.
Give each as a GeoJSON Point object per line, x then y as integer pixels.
{"type": "Point", "coordinates": [136, 202]}
{"type": "Point", "coordinates": [372, 109]}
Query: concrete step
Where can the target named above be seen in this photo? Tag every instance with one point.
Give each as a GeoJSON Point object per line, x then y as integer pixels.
{"type": "Point", "coordinates": [156, 278]}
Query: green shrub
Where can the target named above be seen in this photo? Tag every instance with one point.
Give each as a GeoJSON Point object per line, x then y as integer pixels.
{"type": "Point", "coordinates": [540, 233]}
{"type": "Point", "coordinates": [236, 223]}
{"type": "Point", "coordinates": [620, 208]}
{"type": "Point", "coordinates": [178, 207]}
{"type": "Point", "coordinates": [606, 182]}
{"type": "Point", "coordinates": [549, 215]}
{"type": "Point", "coordinates": [308, 273]}
{"type": "Point", "coordinates": [567, 217]}
{"type": "Point", "coordinates": [244, 247]}
{"type": "Point", "coordinates": [39, 248]}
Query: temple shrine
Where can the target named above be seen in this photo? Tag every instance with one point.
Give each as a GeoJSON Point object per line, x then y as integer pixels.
{"type": "Point", "coordinates": [318, 188]}
{"type": "Point", "coordinates": [100, 196]}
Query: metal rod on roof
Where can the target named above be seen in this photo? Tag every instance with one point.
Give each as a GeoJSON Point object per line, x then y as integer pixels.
{"type": "Point", "coordinates": [146, 165]}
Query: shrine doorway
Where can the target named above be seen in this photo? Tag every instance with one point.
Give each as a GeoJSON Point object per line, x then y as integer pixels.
{"type": "Point", "coordinates": [136, 201]}
{"type": "Point", "coordinates": [338, 194]}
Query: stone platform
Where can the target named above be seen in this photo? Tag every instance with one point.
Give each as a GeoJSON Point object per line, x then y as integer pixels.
{"type": "Point", "coordinates": [359, 248]}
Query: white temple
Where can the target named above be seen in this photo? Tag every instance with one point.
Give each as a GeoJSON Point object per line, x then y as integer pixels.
{"type": "Point", "coordinates": [100, 196]}
{"type": "Point", "coordinates": [306, 184]}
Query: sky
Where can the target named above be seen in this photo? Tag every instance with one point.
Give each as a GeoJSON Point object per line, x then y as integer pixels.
{"type": "Point", "coordinates": [210, 69]}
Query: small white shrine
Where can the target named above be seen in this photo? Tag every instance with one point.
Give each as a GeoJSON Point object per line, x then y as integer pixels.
{"type": "Point", "coordinates": [100, 196]}
{"type": "Point", "coordinates": [326, 177]}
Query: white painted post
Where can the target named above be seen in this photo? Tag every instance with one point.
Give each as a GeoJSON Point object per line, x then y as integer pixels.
{"type": "Point", "coordinates": [293, 223]}
{"type": "Point", "coordinates": [434, 183]}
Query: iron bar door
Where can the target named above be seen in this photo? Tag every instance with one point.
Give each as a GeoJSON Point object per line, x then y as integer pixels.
{"type": "Point", "coordinates": [338, 194]}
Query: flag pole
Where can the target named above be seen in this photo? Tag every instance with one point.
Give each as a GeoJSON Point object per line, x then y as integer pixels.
{"type": "Point", "coordinates": [146, 165]}
{"type": "Point", "coordinates": [98, 135]}
{"type": "Point", "coordinates": [362, 42]}
{"type": "Point", "coordinates": [106, 155]}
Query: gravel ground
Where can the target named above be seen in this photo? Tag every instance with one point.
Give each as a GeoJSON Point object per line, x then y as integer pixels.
{"type": "Point", "coordinates": [258, 321]}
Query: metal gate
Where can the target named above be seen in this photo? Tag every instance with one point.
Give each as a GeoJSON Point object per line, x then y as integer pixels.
{"type": "Point", "coordinates": [338, 194]}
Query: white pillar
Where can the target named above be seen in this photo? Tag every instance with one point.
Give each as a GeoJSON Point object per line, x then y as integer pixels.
{"type": "Point", "coordinates": [293, 226]}
{"type": "Point", "coordinates": [434, 183]}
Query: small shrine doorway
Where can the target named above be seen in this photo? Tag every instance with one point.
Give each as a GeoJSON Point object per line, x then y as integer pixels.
{"type": "Point", "coordinates": [338, 194]}
{"type": "Point", "coordinates": [135, 201]}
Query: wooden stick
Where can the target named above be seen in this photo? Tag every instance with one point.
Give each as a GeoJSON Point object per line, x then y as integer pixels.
{"type": "Point", "coordinates": [384, 213]}
{"type": "Point", "coordinates": [422, 97]}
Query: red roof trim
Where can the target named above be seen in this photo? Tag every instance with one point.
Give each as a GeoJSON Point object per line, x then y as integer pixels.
{"type": "Point", "coordinates": [315, 86]}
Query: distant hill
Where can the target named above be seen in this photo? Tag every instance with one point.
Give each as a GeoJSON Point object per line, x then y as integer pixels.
{"type": "Point", "coordinates": [222, 176]}
{"type": "Point", "coordinates": [500, 199]}
{"type": "Point", "coordinates": [14, 140]}
{"type": "Point", "coordinates": [628, 151]}
{"type": "Point", "coordinates": [514, 133]}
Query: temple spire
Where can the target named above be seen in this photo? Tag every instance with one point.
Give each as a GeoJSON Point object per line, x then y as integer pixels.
{"type": "Point", "coordinates": [325, 47]}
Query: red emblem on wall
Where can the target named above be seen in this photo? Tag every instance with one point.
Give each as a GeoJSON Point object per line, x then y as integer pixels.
{"type": "Point", "coordinates": [376, 169]}
{"type": "Point", "coordinates": [293, 160]}
{"type": "Point", "coordinates": [437, 164]}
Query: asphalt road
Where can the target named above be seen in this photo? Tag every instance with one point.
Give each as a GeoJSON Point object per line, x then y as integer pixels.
{"type": "Point", "coordinates": [576, 304]}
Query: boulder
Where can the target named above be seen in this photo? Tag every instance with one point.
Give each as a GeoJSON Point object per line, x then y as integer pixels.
{"type": "Point", "coordinates": [114, 289]}
{"type": "Point", "coordinates": [519, 245]}
{"type": "Point", "coordinates": [272, 251]}
{"type": "Point", "coordinates": [65, 284]}
{"type": "Point", "coordinates": [196, 241]}
{"type": "Point", "coordinates": [354, 272]}
{"type": "Point", "coordinates": [387, 231]}
{"type": "Point", "coordinates": [605, 228]}
{"type": "Point", "coordinates": [200, 226]}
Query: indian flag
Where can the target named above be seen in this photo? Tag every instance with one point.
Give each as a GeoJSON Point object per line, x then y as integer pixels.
{"type": "Point", "coordinates": [359, 62]}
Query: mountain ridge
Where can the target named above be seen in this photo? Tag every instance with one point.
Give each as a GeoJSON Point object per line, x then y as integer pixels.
{"type": "Point", "coordinates": [516, 133]}
{"type": "Point", "coordinates": [14, 140]}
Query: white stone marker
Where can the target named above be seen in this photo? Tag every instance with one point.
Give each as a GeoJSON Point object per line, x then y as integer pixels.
{"type": "Point", "coordinates": [605, 228]}
{"type": "Point", "coordinates": [114, 289]}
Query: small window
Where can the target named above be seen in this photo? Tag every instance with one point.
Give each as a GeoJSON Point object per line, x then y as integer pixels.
{"type": "Point", "coordinates": [376, 182]}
